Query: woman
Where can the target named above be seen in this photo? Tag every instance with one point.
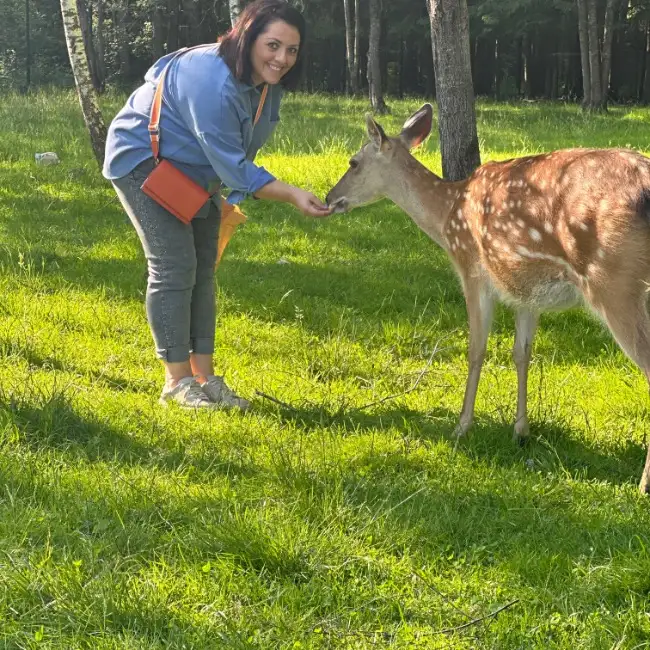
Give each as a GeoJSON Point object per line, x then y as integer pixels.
{"type": "Point", "coordinates": [210, 99]}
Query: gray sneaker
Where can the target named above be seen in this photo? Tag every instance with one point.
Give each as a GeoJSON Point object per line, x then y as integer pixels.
{"type": "Point", "coordinates": [187, 394]}
{"type": "Point", "coordinates": [221, 396]}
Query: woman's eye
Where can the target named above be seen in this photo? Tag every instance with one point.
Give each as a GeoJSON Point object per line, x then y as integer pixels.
{"type": "Point", "coordinates": [273, 46]}
{"type": "Point", "coordinates": [293, 51]}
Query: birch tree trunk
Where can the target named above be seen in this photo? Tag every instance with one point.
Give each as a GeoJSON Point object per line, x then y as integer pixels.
{"type": "Point", "coordinates": [91, 57]}
{"type": "Point", "coordinates": [374, 64]}
{"type": "Point", "coordinates": [454, 88]}
{"type": "Point", "coordinates": [85, 91]}
{"type": "Point", "coordinates": [235, 7]}
{"type": "Point", "coordinates": [357, 36]}
{"type": "Point", "coordinates": [349, 45]}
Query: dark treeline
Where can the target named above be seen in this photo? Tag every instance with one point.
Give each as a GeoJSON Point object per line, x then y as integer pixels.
{"type": "Point", "coordinates": [519, 48]}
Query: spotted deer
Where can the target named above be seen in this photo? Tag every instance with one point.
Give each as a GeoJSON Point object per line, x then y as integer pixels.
{"type": "Point", "coordinates": [537, 232]}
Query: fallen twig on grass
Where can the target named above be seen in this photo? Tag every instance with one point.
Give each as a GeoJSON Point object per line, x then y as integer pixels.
{"type": "Point", "coordinates": [342, 411]}
{"type": "Point", "coordinates": [275, 400]}
{"type": "Point", "coordinates": [408, 390]}
{"type": "Point", "coordinates": [475, 621]}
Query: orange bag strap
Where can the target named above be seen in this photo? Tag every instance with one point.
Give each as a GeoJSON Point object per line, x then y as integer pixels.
{"type": "Point", "coordinates": [154, 117]}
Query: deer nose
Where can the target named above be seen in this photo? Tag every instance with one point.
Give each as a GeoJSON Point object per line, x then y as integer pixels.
{"type": "Point", "coordinates": [327, 199]}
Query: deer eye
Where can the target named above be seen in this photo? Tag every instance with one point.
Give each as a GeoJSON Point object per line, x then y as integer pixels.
{"type": "Point", "coordinates": [353, 163]}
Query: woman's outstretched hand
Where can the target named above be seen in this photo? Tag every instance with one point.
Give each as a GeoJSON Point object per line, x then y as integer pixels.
{"type": "Point", "coordinates": [309, 204]}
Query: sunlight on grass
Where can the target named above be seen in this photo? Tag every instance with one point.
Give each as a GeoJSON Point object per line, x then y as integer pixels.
{"type": "Point", "coordinates": [339, 515]}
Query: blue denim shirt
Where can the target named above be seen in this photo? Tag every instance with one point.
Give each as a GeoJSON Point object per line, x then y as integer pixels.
{"type": "Point", "coordinates": [206, 124]}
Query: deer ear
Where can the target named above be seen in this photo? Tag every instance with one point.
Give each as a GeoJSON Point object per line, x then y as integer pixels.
{"type": "Point", "coordinates": [417, 127]}
{"type": "Point", "coordinates": [375, 132]}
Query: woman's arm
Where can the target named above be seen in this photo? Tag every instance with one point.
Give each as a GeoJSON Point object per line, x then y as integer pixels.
{"type": "Point", "coordinates": [306, 202]}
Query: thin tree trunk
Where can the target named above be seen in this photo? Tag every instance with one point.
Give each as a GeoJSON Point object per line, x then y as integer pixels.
{"type": "Point", "coordinates": [454, 89]}
{"type": "Point", "coordinates": [583, 33]}
{"type": "Point", "coordinates": [594, 55]}
{"type": "Point", "coordinates": [101, 47]}
{"type": "Point", "coordinates": [235, 7]}
{"type": "Point", "coordinates": [172, 25]}
{"type": "Point", "coordinates": [608, 38]}
{"type": "Point", "coordinates": [158, 29]}
{"type": "Point", "coordinates": [645, 81]}
{"type": "Point", "coordinates": [28, 47]}
{"type": "Point", "coordinates": [349, 45]}
{"type": "Point", "coordinates": [374, 61]}
{"type": "Point", "coordinates": [355, 59]}
{"type": "Point", "coordinates": [86, 30]}
{"type": "Point", "coordinates": [85, 91]}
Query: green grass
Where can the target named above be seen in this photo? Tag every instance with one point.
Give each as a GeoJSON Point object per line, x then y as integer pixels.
{"type": "Point", "coordinates": [344, 521]}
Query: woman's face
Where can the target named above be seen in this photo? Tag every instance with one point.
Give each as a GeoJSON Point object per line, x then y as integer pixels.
{"type": "Point", "coordinates": [274, 52]}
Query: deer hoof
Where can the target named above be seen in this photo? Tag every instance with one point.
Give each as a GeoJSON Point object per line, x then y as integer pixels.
{"type": "Point", "coordinates": [461, 430]}
{"type": "Point", "coordinates": [521, 433]}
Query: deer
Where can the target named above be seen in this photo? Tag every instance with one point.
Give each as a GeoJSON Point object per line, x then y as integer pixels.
{"type": "Point", "coordinates": [539, 232]}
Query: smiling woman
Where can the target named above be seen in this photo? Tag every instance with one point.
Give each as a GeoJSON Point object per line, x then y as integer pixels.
{"type": "Point", "coordinates": [205, 112]}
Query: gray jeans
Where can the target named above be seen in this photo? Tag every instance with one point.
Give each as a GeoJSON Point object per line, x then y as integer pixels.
{"type": "Point", "coordinates": [181, 305]}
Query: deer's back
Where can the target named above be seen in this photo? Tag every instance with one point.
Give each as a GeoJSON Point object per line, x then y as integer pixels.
{"type": "Point", "coordinates": [546, 228]}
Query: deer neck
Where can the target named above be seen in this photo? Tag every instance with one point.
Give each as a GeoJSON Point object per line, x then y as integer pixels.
{"type": "Point", "coordinates": [425, 197]}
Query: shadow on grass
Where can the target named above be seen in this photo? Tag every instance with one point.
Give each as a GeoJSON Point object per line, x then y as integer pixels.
{"type": "Point", "coordinates": [52, 422]}
{"type": "Point", "coordinates": [552, 447]}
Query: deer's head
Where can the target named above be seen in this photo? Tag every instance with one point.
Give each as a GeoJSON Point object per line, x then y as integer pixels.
{"type": "Point", "coordinates": [373, 168]}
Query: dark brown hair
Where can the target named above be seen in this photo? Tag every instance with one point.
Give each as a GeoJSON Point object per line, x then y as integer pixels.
{"type": "Point", "coordinates": [236, 45]}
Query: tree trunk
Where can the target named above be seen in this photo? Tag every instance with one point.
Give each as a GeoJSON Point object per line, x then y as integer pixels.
{"type": "Point", "coordinates": [235, 7]}
{"type": "Point", "coordinates": [454, 90]}
{"type": "Point", "coordinates": [355, 60]}
{"type": "Point", "coordinates": [28, 47]}
{"type": "Point", "coordinates": [91, 57]}
{"type": "Point", "coordinates": [608, 37]}
{"type": "Point", "coordinates": [645, 82]}
{"type": "Point", "coordinates": [594, 55]}
{"type": "Point", "coordinates": [85, 91]}
{"type": "Point", "coordinates": [158, 30]}
{"type": "Point", "coordinates": [172, 25]}
{"type": "Point", "coordinates": [101, 46]}
{"type": "Point", "coordinates": [349, 45]}
{"type": "Point", "coordinates": [583, 33]}
{"type": "Point", "coordinates": [120, 23]}
{"type": "Point", "coordinates": [374, 62]}
{"type": "Point", "coordinates": [192, 20]}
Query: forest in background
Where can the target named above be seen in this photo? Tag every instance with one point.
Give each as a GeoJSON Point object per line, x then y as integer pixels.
{"type": "Point", "coordinates": [519, 48]}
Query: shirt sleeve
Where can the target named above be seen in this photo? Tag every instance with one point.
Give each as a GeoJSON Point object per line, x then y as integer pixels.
{"type": "Point", "coordinates": [215, 117]}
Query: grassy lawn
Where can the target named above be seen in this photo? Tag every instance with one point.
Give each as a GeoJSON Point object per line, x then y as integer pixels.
{"type": "Point", "coordinates": [343, 518]}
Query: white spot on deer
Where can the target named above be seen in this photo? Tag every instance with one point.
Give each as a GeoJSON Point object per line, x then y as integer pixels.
{"type": "Point", "coordinates": [519, 203]}
{"type": "Point", "coordinates": [601, 253]}
{"type": "Point", "coordinates": [584, 226]}
{"type": "Point", "coordinates": [548, 226]}
{"type": "Point", "coordinates": [535, 235]}
{"type": "Point", "coordinates": [520, 223]}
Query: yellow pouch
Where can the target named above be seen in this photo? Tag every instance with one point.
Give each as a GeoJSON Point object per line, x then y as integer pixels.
{"type": "Point", "coordinates": [231, 217]}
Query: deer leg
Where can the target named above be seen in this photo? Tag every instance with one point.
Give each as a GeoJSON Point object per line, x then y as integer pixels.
{"type": "Point", "coordinates": [480, 306]}
{"type": "Point", "coordinates": [629, 322]}
{"type": "Point", "coordinates": [525, 326]}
